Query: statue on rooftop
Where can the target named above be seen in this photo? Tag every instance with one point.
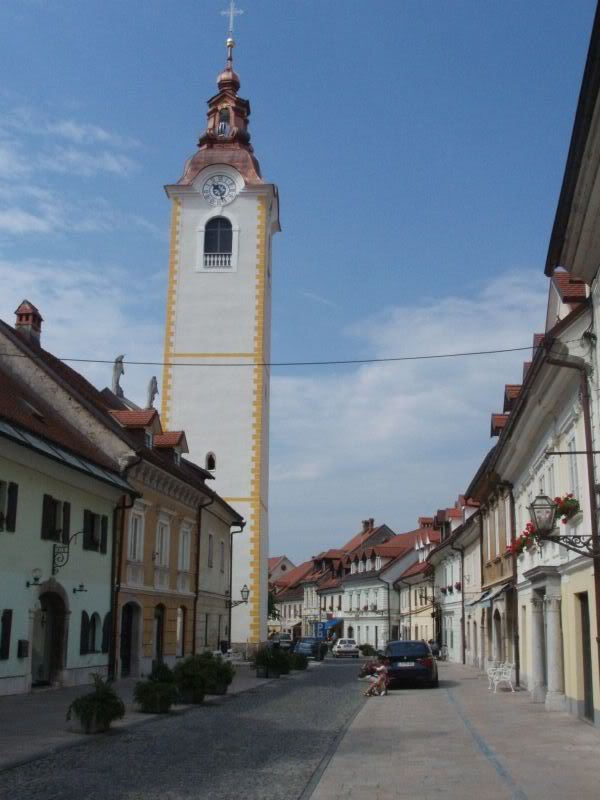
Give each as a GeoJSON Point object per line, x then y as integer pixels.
{"type": "Point", "coordinates": [118, 370]}
{"type": "Point", "coordinates": [152, 392]}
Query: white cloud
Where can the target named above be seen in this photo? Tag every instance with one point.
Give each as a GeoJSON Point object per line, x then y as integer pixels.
{"type": "Point", "coordinates": [89, 312]}
{"type": "Point", "coordinates": [396, 440]}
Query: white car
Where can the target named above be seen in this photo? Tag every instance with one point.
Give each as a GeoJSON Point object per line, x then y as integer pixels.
{"type": "Point", "coordinates": [345, 648]}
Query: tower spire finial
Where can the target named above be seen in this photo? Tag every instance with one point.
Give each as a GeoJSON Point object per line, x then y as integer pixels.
{"type": "Point", "coordinates": [232, 12]}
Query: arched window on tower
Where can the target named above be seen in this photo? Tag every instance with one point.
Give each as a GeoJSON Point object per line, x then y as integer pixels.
{"type": "Point", "coordinates": [211, 462]}
{"type": "Point", "coordinates": [218, 242]}
{"type": "Point", "coordinates": [223, 126]}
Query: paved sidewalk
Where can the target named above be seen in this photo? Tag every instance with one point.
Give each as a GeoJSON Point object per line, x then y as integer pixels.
{"type": "Point", "coordinates": [34, 725]}
{"type": "Point", "coordinates": [461, 741]}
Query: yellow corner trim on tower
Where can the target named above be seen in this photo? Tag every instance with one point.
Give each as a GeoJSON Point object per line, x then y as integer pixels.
{"type": "Point", "coordinates": [170, 322]}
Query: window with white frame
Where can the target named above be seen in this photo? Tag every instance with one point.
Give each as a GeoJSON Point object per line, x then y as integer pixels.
{"type": "Point", "coordinates": [551, 482]}
{"type": "Point", "coordinates": [497, 529]}
{"type": "Point", "coordinates": [573, 472]}
{"type": "Point", "coordinates": [161, 556]}
{"type": "Point", "coordinates": [136, 537]}
{"type": "Point", "coordinates": [378, 562]}
{"type": "Point", "coordinates": [185, 540]}
{"type": "Point", "coordinates": [353, 568]}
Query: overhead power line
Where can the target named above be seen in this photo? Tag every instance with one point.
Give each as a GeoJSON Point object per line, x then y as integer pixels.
{"type": "Point", "coordinates": [333, 362]}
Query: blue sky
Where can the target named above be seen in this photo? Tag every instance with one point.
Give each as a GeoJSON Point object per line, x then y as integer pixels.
{"type": "Point", "coordinates": [418, 148]}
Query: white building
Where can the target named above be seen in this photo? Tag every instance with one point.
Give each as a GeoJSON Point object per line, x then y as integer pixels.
{"type": "Point", "coordinates": [219, 311]}
{"type": "Point", "coordinates": [370, 602]}
{"type": "Point", "coordinates": [58, 495]}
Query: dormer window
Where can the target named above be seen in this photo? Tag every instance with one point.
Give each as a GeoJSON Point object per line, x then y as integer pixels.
{"type": "Point", "coordinates": [148, 439]}
{"type": "Point", "coordinates": [378, 562]}
{"type": "Point", "coordinates": [210, 462]}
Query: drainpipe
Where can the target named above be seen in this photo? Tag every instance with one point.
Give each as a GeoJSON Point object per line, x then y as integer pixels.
{"type": "Point", "coordinates": [516, 635]}
{"type": "Point", "coordinates": [576, 362]}
{"type": "Point", "coordinates": [116, 570]}
{"type": "Point", "coordinates": [463, 644]}
{"type": "Point", "coordinates": [241, 526]}
{"type": "Point", "coordinates": [197, 571]}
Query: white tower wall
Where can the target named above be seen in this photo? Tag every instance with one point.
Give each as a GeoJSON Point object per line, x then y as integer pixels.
{"type": "Point", "coordinates": [223, 316]}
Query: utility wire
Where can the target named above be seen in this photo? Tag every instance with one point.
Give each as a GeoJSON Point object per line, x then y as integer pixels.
{"type": "Point", "coordinates": [337, 362]}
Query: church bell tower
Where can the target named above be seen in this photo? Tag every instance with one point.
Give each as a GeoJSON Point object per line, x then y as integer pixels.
{"type": "Point", "coordinates": [219, 320]}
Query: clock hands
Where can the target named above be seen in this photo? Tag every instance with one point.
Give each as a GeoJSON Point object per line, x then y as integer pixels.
{"type": "Point", "coordinates": [219, 189]}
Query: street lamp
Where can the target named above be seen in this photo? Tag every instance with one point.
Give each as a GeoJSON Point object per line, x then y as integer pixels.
{"type": "Point", "coordinates": [245, 593]}
{"type": "Point", "coordinates": [543, 511]}
{"type": "Point", "coordinates": [543, 514]}
{"type": "Point", "coordinates": [36, 574]}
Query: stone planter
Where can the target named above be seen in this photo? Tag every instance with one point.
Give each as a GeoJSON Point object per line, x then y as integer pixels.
{"type": "Point", "coordinates": [76, 725]}
{"type": "Point", "coordinates": [219, 688]}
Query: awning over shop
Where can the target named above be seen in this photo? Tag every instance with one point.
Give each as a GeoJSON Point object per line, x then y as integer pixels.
{"type": "Point", "coordinates": [478, 599]}
{"type": "Point", "coordinates": [493, 594]}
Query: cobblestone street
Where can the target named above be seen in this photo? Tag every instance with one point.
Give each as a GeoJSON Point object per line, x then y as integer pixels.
{"type": "Point", "coordinates": [262, 745]}
{"type": "Point", "coordinates": [313, 737]}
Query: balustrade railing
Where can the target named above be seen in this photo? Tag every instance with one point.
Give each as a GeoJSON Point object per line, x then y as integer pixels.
{"type": "Point", "coordinates": [217, 260]}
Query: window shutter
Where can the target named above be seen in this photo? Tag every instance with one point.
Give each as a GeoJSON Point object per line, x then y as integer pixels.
{"type": "Point", "coordinates": [88, 530]}
{"type": "Point", "coordinates": [104, 535]}
{"type": "Point", "coordinates": [84, 633]}
{"type": "Point", "coordinates": [66, 523]}
{"type": "Point", "coordinates": [11, 507]}
{"type": "Point", "coordinates": [5, 628]}
{"type": "Point", "coordinates": [47, 517]}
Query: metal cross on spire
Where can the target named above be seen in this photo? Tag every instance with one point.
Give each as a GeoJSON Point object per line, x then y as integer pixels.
{"type": "Point", "coordinates": [232, 12]}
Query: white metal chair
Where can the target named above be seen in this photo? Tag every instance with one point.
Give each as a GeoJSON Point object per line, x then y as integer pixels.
{"type": "Point", "coordinates": [501, 674]}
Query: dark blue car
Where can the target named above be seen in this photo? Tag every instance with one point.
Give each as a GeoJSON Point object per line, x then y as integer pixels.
{"type": "Point", "coordinates": [411, 661]}
{"type": "Point", "coordinates": [312, 647]}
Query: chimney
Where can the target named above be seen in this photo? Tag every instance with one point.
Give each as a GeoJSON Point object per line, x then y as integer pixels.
{"type": "Point", "coordinates": [371, 523]}
{"type": "Point", "coordinates": [29, 321]}
{"type": "Point", "coordinates": [365, 525]}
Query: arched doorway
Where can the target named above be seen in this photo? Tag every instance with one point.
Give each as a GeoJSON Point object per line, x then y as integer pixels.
{"type": "Point", "coordinates": [159, 633]}
{"type": "Point", "coordinates": [48, 640]}
{"type": "Point", "coordinates": [130, 639]}
{"type": "Point", "coordinates": [498, 642]}
{"type": "Point", "coordinates": [350, 633]}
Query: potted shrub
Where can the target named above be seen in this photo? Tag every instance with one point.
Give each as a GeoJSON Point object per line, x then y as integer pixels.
{"type": "Point", "coordinates": [262, 662]}
{"type": "Point", "coordinates": [190, 680]}
{"type": "Point", "coordinates": [458, 586]}
{"type": "Point", "coordinates": [299, 661]}
{"type": "Point", "coordinates": [95, 711]}
{"type": "Point", "coordinates": [217, 673]}
{"type": "Point", "coordinates": [443, 589]}
{"type": "Point", "coordinates": [280, 663]}
{"type": "Point", "coordinates": [157, 694]}
{"type": "Point", "coordinates": [367, 650]}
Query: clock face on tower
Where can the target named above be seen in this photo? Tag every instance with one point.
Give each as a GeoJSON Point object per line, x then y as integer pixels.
{"type": "Point", "coordinates": [219, 190]}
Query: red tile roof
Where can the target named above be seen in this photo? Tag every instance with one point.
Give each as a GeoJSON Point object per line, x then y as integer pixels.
{"type": "Point", "coordinates": [416, 569]}
{"type": "Point", "coordinates": [20, 405]}
{"type": "Point", "coordinates": [360, 539]}
{"type": "Point", "coordinates": [294, 576]}
{"type": "Point", "coordinates": [171, 439]}
{"type": "Point", "coordinates": [273, 561]}
{"type": "Point", "coordinates": [498, 422]}
{"type": "Point", "coordinates": [511, 392]}
{"type": "Point", "coordinates": [570, 290]}
{"type": "Point", "coordinates": [136, 419]}
{"type": "Point", "coordinates": [526, 366]}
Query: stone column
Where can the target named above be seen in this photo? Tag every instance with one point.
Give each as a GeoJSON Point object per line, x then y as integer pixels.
{"type": "Point", "coordinates": [482, 644]}
{"type": "Point", "coordinates": [537, 688]}
{"type": "Point", "coordinates": [555, 697]}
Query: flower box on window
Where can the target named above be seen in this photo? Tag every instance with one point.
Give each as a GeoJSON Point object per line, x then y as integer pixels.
{"type": "Point", "coordinates": [458, 586]}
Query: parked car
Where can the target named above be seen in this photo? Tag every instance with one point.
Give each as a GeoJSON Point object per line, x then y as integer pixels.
{"type": "Point", "coordinates": [345, 648]}
{"type": "Point", "coordinates": [411, 661]}
{"type": "Point", "coordinates": [283, 640]}
{"type": "Point", "coordinates": [311, 647]}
